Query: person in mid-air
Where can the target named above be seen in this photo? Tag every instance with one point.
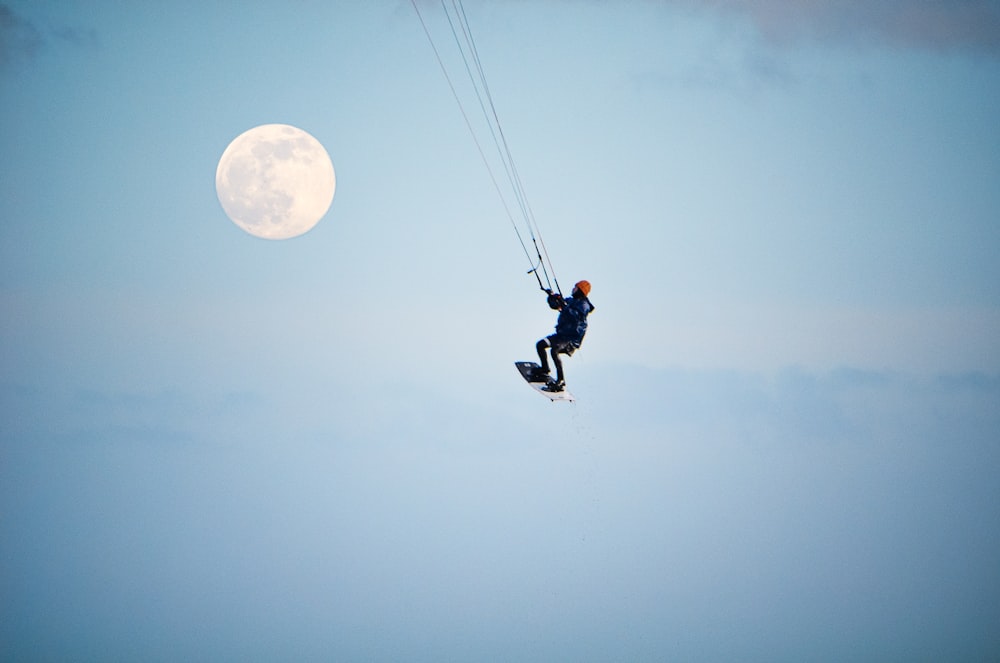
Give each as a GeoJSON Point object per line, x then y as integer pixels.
{"type": "Point", "coordinates": [571, 326]}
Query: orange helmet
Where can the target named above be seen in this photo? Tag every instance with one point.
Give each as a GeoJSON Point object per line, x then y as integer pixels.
{"type": "Point", "coordinates": [584, 287]}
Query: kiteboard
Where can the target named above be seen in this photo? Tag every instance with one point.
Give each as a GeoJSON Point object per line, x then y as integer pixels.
{"type": "Point", "coordinates": [529, 370]}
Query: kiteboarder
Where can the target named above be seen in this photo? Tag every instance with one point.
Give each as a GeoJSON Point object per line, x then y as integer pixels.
{"type": "Point", "coordinates": [571, 326]}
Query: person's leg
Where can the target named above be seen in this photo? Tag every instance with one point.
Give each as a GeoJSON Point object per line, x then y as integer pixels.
{"type": "Point", "coordinates": [560, 378]}
{"type": "Point", "coordinates": [542, 359]}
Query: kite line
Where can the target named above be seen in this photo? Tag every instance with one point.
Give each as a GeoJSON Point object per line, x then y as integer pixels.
{"type": "Point", "coordinates": [458, 24]}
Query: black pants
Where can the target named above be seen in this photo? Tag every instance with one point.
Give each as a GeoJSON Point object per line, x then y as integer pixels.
{"type": "Point", "coordinates": [559, 346]}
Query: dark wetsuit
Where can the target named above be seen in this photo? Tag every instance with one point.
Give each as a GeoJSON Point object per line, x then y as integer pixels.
{"type": "Point", "coordinates": [571, 327]}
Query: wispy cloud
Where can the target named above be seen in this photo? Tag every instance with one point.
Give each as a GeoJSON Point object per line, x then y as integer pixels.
{"type": "Point", "coordinates": [22, 40]}
{"type": "Point", "coordinates": [943, 25]}
{"type": "Point", "coordinates": [19, 39]}
{"type": "Point", "coordinates": [79, 37]}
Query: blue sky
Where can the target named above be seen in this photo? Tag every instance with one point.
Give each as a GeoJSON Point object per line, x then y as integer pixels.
{"type": "Point", "coordinates": [787, 439]}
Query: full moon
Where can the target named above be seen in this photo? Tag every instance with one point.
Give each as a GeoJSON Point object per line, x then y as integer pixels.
{"type": "Point", "coordinates": [275, 181]}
